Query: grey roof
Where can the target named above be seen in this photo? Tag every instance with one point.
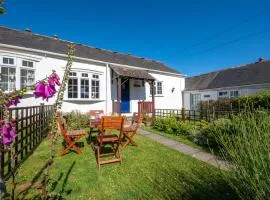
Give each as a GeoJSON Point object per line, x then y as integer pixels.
{"type": "Point", "coordinates": [30, 40]}
{"type": "Point", "coordinates": [132, 73]}
{"type": "Point", "coordinates": [254, 73]}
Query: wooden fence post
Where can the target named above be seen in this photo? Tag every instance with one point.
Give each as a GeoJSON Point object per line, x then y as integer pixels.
{"type": "Point", "coordinates": [183, 114]}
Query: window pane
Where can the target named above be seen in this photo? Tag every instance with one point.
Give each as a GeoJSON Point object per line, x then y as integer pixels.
{"type": "Point", "coordinates": [95, 89]}
{"type": "Point", "coordinates": [27, 77]}
{"type": "Point", "coordinates": [84, 88]}
{"type": "Point", "coordinates": [8, 78]}
{"type": "Point", "coordinates": [72, 88]}
{"type": "Point", "coordinates": [5, 60]}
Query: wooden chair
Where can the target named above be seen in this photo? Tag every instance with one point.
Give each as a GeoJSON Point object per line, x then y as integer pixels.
{"type": "Point", "coordinates": [94, 123]}
{"type": "Point", "coordinates": [130, 131]}
{"type": "Point", "coordinates": [109, 124]}
{"type": "Point", "coordinates": [70, 137]}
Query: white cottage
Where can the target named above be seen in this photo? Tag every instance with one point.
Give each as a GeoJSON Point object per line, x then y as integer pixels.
{"type": "Point", "coordinates": [227, 83]}
{"type": "Point", "coordinates": [100, 79]}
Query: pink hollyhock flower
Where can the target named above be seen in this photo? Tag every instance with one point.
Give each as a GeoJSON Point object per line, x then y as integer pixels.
{"type": "Point", "coordinates": [8, 134]}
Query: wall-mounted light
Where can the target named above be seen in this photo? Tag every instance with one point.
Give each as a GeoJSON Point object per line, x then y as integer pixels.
{"type": "Point", "coordinates": [173, 89]}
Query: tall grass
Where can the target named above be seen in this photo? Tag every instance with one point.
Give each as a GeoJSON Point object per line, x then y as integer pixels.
{"type": "Point", "coordinates": [245, 141]}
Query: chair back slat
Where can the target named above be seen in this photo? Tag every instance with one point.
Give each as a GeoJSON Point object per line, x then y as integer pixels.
{"type": "Point", "coordinates": [112, 122]}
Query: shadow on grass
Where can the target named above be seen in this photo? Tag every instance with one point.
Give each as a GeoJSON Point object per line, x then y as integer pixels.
{"type": "Point", "coordinates": [63, 187]}
{"type": "Point", "coordinates": [25, 188]}
{"type": "Point", "coordinates": [52, 194]}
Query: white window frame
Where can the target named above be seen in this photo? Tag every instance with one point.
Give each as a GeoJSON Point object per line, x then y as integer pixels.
{"type": "Point", "coordinates": [28, 69]}
{"type": "Point", "coordinates": [18, 66]}
{"type": "Point", "coordinates": [85, 76]}
{"type": "Point", "coordinates": [95, 77]}
{"type": "Point", "coordinates": [9, 57]}
{"type": "Point", "coordinates": [155, 88]}
{"type": "Point", "coordinates": [225, 95]}
{"type": "Point", "coordinates": [233, 92]}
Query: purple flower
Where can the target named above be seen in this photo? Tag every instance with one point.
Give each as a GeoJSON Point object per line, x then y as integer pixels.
{"type": "Point", "coordinates": [54, 79]}
{"type": "Point", "coordinates": [44, 90]}
{"type": "Point", "coordinates": [8, 134]}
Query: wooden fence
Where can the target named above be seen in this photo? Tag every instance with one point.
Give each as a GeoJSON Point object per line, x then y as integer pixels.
{"type": "Point", "coordinates": [193, 115]}
{"type": "Point", "coordinates": [31, 127]}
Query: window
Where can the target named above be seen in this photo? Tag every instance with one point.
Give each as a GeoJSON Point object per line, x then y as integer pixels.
{"type": "Point", "coordinates": [206, 96]}
{"type": "Point", "coordinates": [84, 88]}
{"type": "Point", "coordinates": [79, 86]}
{"type": "Point", "coordinates": [195, 101]}
{"type": "Point", "coordinates": [23, 68]}
{"type": "Point", "coordinates": [84, 75]}
{"type": "Point", "coordinates": [8, 61]}
{"type": "Point", "coordinates": [223, 94]}
{"type": "Point", "coordinates": [72, 74]}
{"type": "Point", "coordinates": [73, 88]}
{"type": "Point", "coordinates": [27, 77]}
{"type": "Point", "coordinates": [158, 88]}
{"type": "Point", "coordinates": [26, 63]}
{"type": "Point", "coordinates": [95, 87]}
{"type": "Point", "coordinates": [95, 76]}
{"type": "Point", "coordinates": [8, 78]}
{"type": "Point", "coordinates": [234, 94]}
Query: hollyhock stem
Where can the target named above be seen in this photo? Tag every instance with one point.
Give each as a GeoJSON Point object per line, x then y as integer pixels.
{"type": "Point", "coordinates": [57, 107]}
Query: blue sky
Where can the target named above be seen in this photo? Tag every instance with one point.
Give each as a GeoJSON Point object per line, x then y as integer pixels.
{"type": "Point", "coordinates": [189, 36]}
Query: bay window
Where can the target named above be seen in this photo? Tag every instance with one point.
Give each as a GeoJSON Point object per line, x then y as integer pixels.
{"type": "Point", "coordinates": [79, 83]}
{"type": "Point", "coordinates": [12, 67]}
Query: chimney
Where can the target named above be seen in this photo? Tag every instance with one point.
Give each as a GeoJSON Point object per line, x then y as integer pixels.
{"type": "Point", "coordinates": [261, 59]}
{"type": "Point", "coordinates": [28, 30]}
{"type": "Point", "coordinates": [55, 37]}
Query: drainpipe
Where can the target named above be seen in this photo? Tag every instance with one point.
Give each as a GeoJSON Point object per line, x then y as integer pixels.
{"type": "Point", "coordinates": [106, 89]}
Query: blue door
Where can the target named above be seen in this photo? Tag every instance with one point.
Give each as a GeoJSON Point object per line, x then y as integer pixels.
{"type": "Point", "coordinates": [125, 106]}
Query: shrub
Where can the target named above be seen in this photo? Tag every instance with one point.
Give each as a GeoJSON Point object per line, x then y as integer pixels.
{"type": "Point", "coordinates": [260, 100]}
{"type": "Point", "coordinates": [77, 120]}
{"type": "Point", "coordinates": [172, 125]}
{"type": "Point", "coordinates": [245, 141]}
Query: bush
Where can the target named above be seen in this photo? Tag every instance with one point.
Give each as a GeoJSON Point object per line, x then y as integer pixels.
{"type": "Point", "coordinates": [260, 100]}
{"type": "Point", "coordinates": [208, 133]}
{"type": "Point", "coordinates": [173, 126]}
{"type": "Point", "coordinates": [245, 141]}
{"type": "Point", "coordinates": [77, 120]}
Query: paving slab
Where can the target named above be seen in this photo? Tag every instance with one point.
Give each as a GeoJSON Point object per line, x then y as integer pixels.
{"type": "Point", "coordinates": [186, 149]}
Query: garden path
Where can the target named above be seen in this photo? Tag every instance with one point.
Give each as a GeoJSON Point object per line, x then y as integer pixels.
{"type": "Point", "coordinates": [186, 149]}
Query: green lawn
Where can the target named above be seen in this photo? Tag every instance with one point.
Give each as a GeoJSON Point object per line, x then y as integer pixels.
{"type": "Point", "coordinates": [150, 171]}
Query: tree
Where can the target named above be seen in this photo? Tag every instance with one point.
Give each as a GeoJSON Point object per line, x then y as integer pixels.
{"type": "Point", "coordinates": [2, 10]}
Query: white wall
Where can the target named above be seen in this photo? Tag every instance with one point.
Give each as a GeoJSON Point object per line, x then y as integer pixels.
{"type": "Point", "coordinates": [46, 63]}
{"type": "Point", "coordinates": [169, 99]}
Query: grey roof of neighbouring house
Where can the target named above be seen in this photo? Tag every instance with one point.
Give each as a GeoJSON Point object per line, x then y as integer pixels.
{"type": "Point", "coordinates": [254, 73]}
{"type": "Point", "coordinates": [28, 39]}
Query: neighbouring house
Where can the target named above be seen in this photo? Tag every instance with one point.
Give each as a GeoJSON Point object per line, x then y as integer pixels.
{"type": "Point", "coordinates": [227, 83]}
{"type": "Point", "coordinates": [99, 80]}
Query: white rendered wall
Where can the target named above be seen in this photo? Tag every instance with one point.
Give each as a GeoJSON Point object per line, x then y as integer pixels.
{"type": "Point", "coordinates": [46, 63]}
